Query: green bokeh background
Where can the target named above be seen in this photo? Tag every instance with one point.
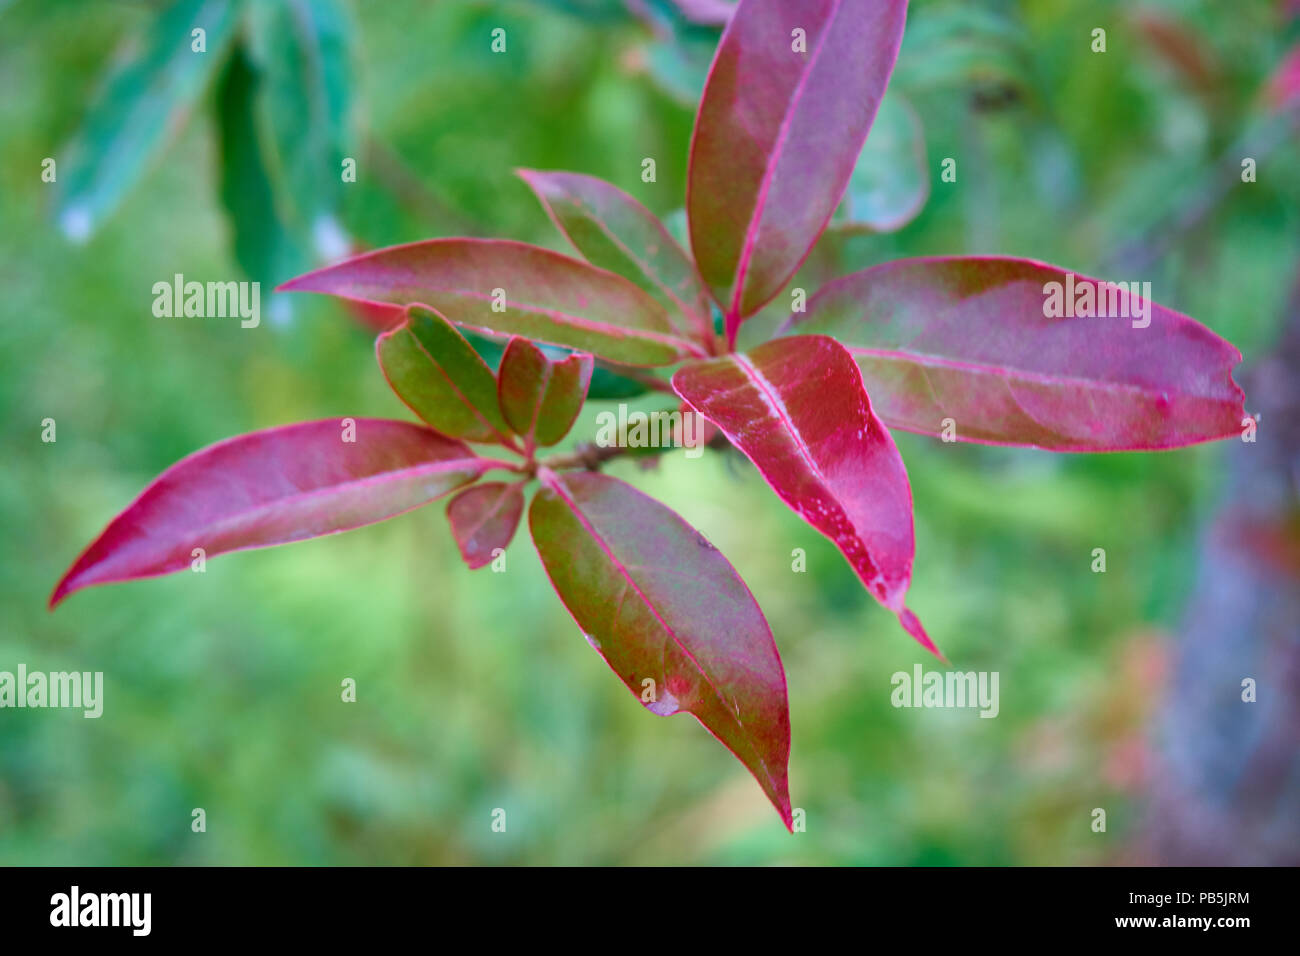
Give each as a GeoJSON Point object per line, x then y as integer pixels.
{"type": "Point", "coordinates": [475, 689]}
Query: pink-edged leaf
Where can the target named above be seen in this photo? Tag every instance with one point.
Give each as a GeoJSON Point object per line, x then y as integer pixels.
{"type": "Point", "coordinates": [777, 136]}
{"type": "Point", "coordinates": [441, 378]}
{"type": "Point", "coordinates": [541, 398]}
{"type": "Point", "coordinates": [376, 316]}
{"type": "Point", "coordinates": [495, 286]}
{"type": "Point", "coordinates": [796, 407]}
{"type": "Point", "coordinates": [272, 487]}
{"type": "Point", "coordinates": [971, 340]}
{"type": "Point", "coordinates": [615, 232]}
{"type": "Point", "coordinates": [669, 614]}
{"type": "Point", "coordinates": [483, 518]}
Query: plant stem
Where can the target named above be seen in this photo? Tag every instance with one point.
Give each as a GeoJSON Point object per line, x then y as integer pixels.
{"type": "Point", "coordinates": [586, 455]}
{"type": "Point", "coordinates": [591, 456]}
{"type": "Point", "coordinates": [519, 468]}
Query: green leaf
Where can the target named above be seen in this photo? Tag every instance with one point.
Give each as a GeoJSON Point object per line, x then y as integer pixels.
{"type": "Point", "coordinates": [301, 50]}
{"type": "Point", "coordinates": [669, 614]}
{"type": "Point", "coordinates": [441, 378]}
{"type": "Point", "coordinates": [679, 64]}
{"type": "Point", "coordinates": [263, 245]}
{"type": "Point", "coordinates": [143, 99]}
{"type": "Point", "coordinates": [607, 385]}
{"type": "Point", "coordinates": [890, 180]}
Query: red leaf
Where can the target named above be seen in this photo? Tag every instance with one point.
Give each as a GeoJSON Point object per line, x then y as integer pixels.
{"type": "Point", "coordinates": [545, 296]}
{"type": "Point", "coordinates": [541, 398]}
{"type": "Point", "coordinates": [376, 316]}
{"type": "Point", "coordinates": [271, 487]}
{"type": "Point", "coordinates": [777, 136]}
{"type": "Point", "coordinates": [796, 407]}
{"type": "Point", "coordinates": [441, 378]}
{"type": "Point", "coordinates": [615, 232]}
{"type": "Point", "coordinates": [966, 339]}
{"type": "Point", "coordinates": [669, 615]}
{"type": "Point", "coordinates": [484, 518]}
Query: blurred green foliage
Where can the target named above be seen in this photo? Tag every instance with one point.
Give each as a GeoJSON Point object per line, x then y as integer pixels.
{"type": "Point", "coordinates": [475, 690]}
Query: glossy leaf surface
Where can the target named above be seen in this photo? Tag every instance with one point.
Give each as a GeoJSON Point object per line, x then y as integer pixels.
{"type": "Point", "coordinates": [271, 487]}
{"type": "Point", "coordinates": [669, 614]}
{"type": "Point", "coordinates": [788, 104]}
{"type": "Point", "coordinates": [441, 378]}
{"type": "Point", "coordinates": [484, 518]}
{"type": "Point", "coordinates": [615, 232]}
{"type": "Point", "coordinates": [499, 286]}
{"type": "Point", "coordinates": [539, 397]}
{"type": "Point", "coordinates": [967, 339]}
{"type": "Point", "coordinates": [796, 407]}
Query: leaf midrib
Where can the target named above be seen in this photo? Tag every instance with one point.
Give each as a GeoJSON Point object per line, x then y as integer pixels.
{"type": "Point", "coordinates": [625, 575]}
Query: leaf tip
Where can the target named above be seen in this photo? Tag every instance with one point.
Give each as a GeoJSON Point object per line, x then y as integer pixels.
{"type": "Point", "coordinates": [912, 624]}
{"type": "Point", "coordinates": [66, 586]}
{"type": "Point", "coordinates": [310, 281]}
{"type": "Point", "coordinates": [787, 813]}
{"type": "Point", "coordinates": [292, 285]}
